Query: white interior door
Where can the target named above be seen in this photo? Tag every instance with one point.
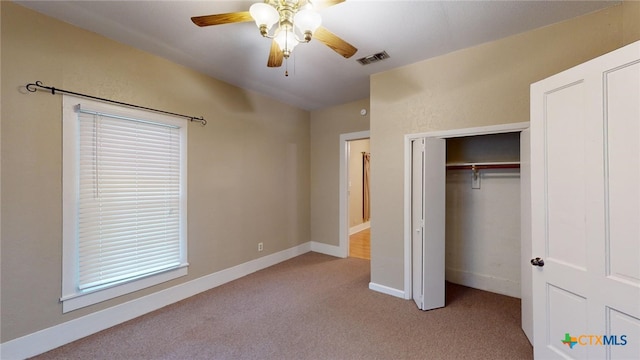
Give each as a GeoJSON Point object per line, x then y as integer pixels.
{"type": "Point", "coordinates": [585, 193]}
{"type": "Point", "coordinates": [428, 229]}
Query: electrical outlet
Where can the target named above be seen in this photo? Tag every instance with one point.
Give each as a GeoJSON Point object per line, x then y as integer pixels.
{"type": "Point", "coordinates": [260, 246]}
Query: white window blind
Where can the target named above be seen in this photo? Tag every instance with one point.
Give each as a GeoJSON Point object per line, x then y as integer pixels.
{"type": "Point", "coordinates": [129, 198]}
{"type": "Point", "coordinates": [124, 200]}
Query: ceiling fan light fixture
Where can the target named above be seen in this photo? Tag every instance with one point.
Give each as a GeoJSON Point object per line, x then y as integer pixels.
{"type": "Point", "coordinates": [307, 22]}
{"type": "Point", "coordinates": [265, 16]}
{"type": "Point", "coordinates": [286, 39]}
{"type": "Point", "coordinates": [286, 23]}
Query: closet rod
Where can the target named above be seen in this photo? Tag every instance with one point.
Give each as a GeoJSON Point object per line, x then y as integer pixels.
{"type": "Point", "coordinates": [483, 166]}
{"type": "Point", "coordinates": [33, 87]}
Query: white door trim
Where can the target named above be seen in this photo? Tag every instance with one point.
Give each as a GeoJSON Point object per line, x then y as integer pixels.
{"type": "Point", "coordinates": [343, 213]}
{"type": "Point", "coordinates": [483, 130]}
{"type": "Point", "coordinates": [526, 276]}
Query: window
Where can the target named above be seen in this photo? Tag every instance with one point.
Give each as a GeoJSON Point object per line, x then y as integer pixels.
{"type": "Point", "coordinates": [124, 201]}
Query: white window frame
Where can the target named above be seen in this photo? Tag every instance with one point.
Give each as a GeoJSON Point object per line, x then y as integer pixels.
{"type": "Point", "coordinates": [72, 297]}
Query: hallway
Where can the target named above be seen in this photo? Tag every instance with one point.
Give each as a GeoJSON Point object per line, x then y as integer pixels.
{"type": "Point", "coordinates": [360, 244]}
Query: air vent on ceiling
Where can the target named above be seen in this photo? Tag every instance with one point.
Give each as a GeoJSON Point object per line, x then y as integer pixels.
{"type": "Point", "coordinates": [370, 59]}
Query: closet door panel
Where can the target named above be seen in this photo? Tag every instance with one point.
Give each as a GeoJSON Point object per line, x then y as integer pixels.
{"type": "Point", "coordinates": [434, 223]}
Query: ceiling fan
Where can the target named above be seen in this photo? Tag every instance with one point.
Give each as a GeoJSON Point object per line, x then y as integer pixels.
{"type": "Point", "coordinates": [297, 21]}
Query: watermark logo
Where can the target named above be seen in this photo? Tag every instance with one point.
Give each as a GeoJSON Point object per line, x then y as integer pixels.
{"type": "Point", "coordinates": [594, 340]}
{"type": "Point", "coordinates": [569, 340]}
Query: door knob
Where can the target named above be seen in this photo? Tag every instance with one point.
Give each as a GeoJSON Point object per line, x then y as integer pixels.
{"type": "Point", "coordinates": [537, 262]}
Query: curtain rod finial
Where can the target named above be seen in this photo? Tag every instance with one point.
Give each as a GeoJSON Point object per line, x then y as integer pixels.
{"type": "Point", "coordinates": [200, 119]}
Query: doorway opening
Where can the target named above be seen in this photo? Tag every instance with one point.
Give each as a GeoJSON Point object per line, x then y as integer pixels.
{"type": "Point", "coordinates": [354, 215]}
{"type": "Point", "coordinates": [358, 191]}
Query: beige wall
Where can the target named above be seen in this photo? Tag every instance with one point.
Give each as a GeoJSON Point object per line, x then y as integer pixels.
{"type": "Point", "coordinates": [631, 21]}
{"type": "Point", "coordinates": [326, 127]}
{"type": "Point", "coordinates": [483, 85]}
{"type": "Point", "coordinates": [248, 169]}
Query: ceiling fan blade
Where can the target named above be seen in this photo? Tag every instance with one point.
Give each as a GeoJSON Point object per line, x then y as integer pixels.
{"type": "Point", "coordinates": [275, 55]}
{"type": "Point", "coordinates": [333, 41]}
{"type": "Point", "coordinates": [219, 19]}
{"type": "Point", "coordinates": [322, 4]}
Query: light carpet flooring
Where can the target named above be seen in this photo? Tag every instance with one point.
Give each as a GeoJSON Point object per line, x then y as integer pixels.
{"type": "Point", "coordinates": [313, 307]}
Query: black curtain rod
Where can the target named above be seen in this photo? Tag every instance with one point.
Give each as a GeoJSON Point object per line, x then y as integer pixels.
{"type": "Point", "coordinates": [33, 87]}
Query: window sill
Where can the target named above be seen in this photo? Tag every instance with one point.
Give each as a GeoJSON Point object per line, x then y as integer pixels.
{"type": "Point", "coordinates": [75, 301]}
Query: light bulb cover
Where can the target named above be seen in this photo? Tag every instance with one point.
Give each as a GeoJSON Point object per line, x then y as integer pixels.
{"type": "Point", "coordinates": [264, 14]}
{"type": "Point", "coordinates": [307, 20]}
{"type": "Point", "coordinates": [286, 40]}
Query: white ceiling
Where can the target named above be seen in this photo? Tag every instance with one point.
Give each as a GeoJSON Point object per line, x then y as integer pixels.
{"type": "Point", "coordinates": [409, 31]}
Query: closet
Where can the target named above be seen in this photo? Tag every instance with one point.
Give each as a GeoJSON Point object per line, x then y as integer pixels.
{"type": "Point", "coordinates": [482, 218]}
{"type": "Point", "coordinates": [464, 211]}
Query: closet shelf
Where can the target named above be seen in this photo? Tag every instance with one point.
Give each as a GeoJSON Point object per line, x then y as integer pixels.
{"type": "Point", "coordinates": [483, 165]}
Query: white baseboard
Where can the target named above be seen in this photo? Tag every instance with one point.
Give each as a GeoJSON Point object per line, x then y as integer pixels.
{"type": "Point", "coordinates": [359, 227]}
{"type": "Point", "coordinates": [386, 290]}
{"type": "Point", "coordinates": [483, 282]}
{"type": "Point", "coordinates": [326, 249]}
{"type": "Point", "coordinates": [55, 336]}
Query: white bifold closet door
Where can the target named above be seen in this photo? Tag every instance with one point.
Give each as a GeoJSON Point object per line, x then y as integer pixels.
{"type": "Point", "coordinates": [428, 222]}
